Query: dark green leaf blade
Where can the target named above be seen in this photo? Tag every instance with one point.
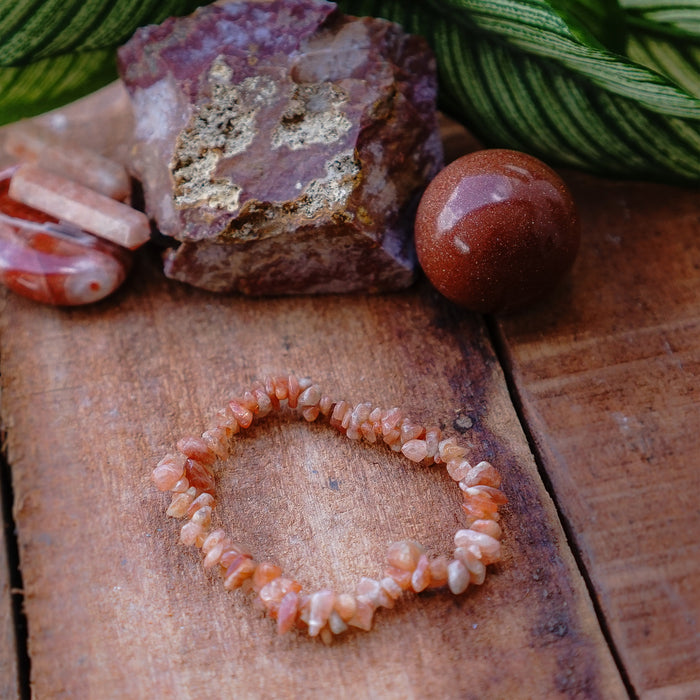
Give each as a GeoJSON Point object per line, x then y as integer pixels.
{"type": "Point", "coordinates": [35, 29]}
{"type": "Point", "coordinates": [517, 75]}
{"type": "Point", "coordinates": [664, 35]}
{"type": "Point", "coordinates": [40, 86]}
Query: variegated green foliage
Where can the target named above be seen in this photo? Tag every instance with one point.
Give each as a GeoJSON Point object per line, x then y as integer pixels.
{"type": "Point", "coordinates": [592, 84]}
{"type": "Point", "coordinates": [665, 35]}
{"type": "Point", "coordinates": [525, 76]}
{"type": "Point", "coordinates": [54, 51]}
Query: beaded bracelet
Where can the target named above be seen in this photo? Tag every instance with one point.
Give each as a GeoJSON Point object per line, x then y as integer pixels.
{"type": "Point", "coordinates": [189, 475]}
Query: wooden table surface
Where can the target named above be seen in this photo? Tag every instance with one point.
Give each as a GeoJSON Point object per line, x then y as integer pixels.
{"type": "Point", "coordinates": [587, 403]}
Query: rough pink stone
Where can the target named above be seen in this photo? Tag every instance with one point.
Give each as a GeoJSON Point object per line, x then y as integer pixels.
{"type": "Point", "coordinates": [283, 145]}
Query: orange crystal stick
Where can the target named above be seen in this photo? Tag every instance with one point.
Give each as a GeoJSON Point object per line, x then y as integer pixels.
{"type": "Point", "coordinates": [104, 175]}
{"type": "Point", "coordinates": [79, 205]}
{"type": "Point", "coordinates": [50, 263]}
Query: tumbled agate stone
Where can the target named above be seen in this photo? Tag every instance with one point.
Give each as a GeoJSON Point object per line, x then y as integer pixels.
{"type": "Point", "coordinates": [283, 146]}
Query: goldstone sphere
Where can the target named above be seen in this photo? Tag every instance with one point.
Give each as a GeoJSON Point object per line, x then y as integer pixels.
{"type": "Point", "coordinates": [496, 230]}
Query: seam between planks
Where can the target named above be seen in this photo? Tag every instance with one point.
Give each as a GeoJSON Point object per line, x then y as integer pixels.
{"type": "Point", "coordinates": [11, 545]}
{"type": "Point", "coordinates": [500, 348]}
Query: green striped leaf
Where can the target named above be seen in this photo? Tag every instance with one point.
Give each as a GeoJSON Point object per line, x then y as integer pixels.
{"type": "Point", "coordinates": [43, 85]}
{"type": "Point", "coordinates": [34, 29]}
{"type": "Point", "coordinates": [521, 75]}
{"type": "Point", "coordinates": [545, 76]}
{"type": "Point", "coordinates": [665, 35]}
{"type": "Point", "coordinates": [55, 51]}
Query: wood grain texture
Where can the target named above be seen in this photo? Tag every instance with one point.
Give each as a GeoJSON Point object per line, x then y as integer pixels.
{"type": "Point", "coordinates": [93, 397]}
{"type": "Point", "coordinates": [9, 678]}
{"type": "Point", "coordinates": [608, 373]}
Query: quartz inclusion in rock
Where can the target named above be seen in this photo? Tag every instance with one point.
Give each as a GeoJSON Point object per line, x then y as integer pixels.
{"type": "Point", "coordinates": [283, 145]}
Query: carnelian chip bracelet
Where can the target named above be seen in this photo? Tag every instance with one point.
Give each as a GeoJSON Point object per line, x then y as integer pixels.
{"type": "Point", "coordinates": [188, 474]}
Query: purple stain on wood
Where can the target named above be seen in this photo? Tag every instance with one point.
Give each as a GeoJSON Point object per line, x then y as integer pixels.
{"type": "Point", "coordinates": [283, 145]}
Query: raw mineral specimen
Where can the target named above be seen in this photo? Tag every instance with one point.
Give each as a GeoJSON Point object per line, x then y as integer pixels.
{"type": "Point", "coordinates": [283, 145]}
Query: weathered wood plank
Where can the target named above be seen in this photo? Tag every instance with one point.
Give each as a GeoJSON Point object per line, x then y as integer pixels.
{"type": "Point", "coordinates": [116, 608]}
{"type": "Point", "coordinates": [9, 678]}
{"type": "Point", "coordinates": [608, 374]}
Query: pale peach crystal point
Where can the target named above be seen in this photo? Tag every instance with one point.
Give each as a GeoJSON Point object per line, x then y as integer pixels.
{"type": "Point", "coordinates": [352, 433]}
{"type": "Point", "coordinates": [287, 612]}
{"type": "Point", "coordinates": [213, 556]}
{"type": "Point", "coordinates": [320, 609]}
{"type": "Point", "coordinates": [401, 576]}
{"type": "Point", "coordinates": [458, 468]}
{"type": "Point", "coordinates": [168, 471]}
{"type": "Point", "coordinates": [480, 506]}
{"type": "Point", "coordinates": [457, 577]}
{"type": "Point", "coordinates": [232, 552]}
{"type": "Point", "coordinates": [294, 389]}
{"type": "Point", "coordinates": [420, 579]}
{"type": "Point", "coordinates": [264, 404]}
{"type": "Point", "coordinates": [368, 433]}
{"type": "Point", "coordinates": [471, 560]}
{"type": "Point", "coordinates": [410, 430]}
{"type": "Point", "coordinates": [204, 499]}
{"type": "Point", "coordinates": [310, 413]}
{"type": "Point", "coordinates": [489, 547]}
{"type": "Point", "coordinates": [346, 420]}
{"type": "Point", "coordinates": [393, 439]}
{"type": "Point", "coordinates": [432, 440]}
{"type": "Point", "coordinates": [241, 568]}
{"type": "Point", "coordinates": [391, 588]}
{"type": "Point", "coordinates": [474, 513]}
{"type": "Point", "coordinates": [181, 486]}
{"type": "Point", "coordinates": [325, 405]}
{"type": "Point", "coordinates": [482, 491]}
{"type": "Point", "coordinates": [404, 554]}
{"type": "Point", "coordinates": [196, 448]}
{"type": "Point", "coordinates": [338, 414]}
{"type": "Point", "coordinates": [304, 607]}
{"type": "Point", "coordinates": [488, 527]}
{"type": "Point", "coordinates": [202, 517]}
{"type": "Point", "coordinates": [243, 415]}
{"type": "Point", "coordinates": [309, 397]}
{"type": "Point", "coordinates": [190, 533]}
{"type": "Point", "coordinates": [449, 450]}
{"type": "Point", "coordinates": [281, 388]}
{"type": "Point", "coordinates": [363, 616]}
{"type": "Point", "coordinates": [31, 144]}
{"type": "Point", "coordinates": [415, 450]}
{"type": "Point", "coordinates": [272, 593]}
{"type": "Point", "coordinates": [223, 419]}
{"type": "Point", "coordinates": [371, 591]}
{"type": "Point", "coordinates": [483, 473]}
{"type": "Point", "coordinates": [217, 441]}
{"type": "Point", "coordinates": [391, 420]}
{"type": "Point", "coordinates": [266, 572]}
{"type": "Point", "coordinates": [249, 401]}
{"type": "Point", "coordinates": [181, 502]}
{"type": "Point", "coordinates": [72, 202]}
{"type": "Point", "coordinates": [214, 539]}
{"type": "Point", "coordinates": [438, 572]}
{"type": "Point", "coordinates": [336, 623]}
{"type": "Point", "coordinates": [345, 604]}
{"type": "Point", "coordinates": [360, 414]}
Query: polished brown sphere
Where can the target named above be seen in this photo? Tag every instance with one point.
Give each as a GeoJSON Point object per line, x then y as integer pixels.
{"type": "Point", "coordinates": [496, 230]}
